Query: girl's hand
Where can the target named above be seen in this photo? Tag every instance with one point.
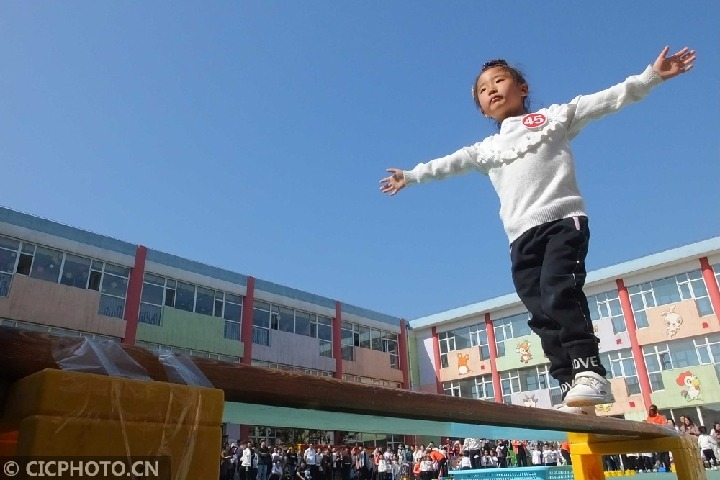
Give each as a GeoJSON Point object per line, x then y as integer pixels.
{"type": "Point", "coordinates": [669, 67]}
{"type": "Point", "coordinates": [394, 183]}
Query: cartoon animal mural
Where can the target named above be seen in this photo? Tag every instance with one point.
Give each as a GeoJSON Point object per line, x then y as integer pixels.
{"type": "Point", "coordinates": [692, 382]}
{"type": "Point", "coordinates": [530, 401]}
{"type": "Point", "coordinates": [523, 349]}
{"type": "Point", "coordinates": [463, 368]}
{"type": "Point", "coordinates": [672, 321]}
{"type": "Point", "coordinates": [604, 407]}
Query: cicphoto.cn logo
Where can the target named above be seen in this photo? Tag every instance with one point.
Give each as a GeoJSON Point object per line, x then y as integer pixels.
{"type": "Point", "coordinates": [155, 468]}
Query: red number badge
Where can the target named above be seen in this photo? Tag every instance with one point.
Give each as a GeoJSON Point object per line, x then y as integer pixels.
{"type": "Point", "coordinates": [534, 120]}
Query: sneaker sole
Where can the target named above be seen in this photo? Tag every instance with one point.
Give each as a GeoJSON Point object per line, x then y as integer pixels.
{"type": "Point", "coordinates": [588, 401]}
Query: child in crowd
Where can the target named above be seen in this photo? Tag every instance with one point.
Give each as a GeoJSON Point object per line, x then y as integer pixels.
{"type": "Point", "coordinates": [531, 167]}
{"type": "Point", "coordinates": [465, 463]}
{"type": "Point", "coordinates": [707, 446]}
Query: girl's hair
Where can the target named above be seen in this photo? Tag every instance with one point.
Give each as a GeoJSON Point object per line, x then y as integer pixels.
{"type": "Point", "coordinates": [514, 73]}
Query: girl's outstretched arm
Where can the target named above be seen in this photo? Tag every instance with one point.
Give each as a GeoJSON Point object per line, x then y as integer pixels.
{"type": "Point", "coordinates": [677, 64]}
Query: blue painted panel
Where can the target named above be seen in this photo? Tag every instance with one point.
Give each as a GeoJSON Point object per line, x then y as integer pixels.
{"type": "Point", "coordinates": [252, 414]}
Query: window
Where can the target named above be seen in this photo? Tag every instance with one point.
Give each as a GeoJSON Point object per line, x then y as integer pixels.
{"type": "Point", "coordinates": [231, 312]}
{"type": "Point", "coordinates": [530, 380]}
{"type": "Point", "coordinates": [390, 345]}
{"type": "Point", "coordinates": [286, 320]}
{"type": "Point", "coordinates": [205, 301]}
{"type": "Point", "coordinates": [446, 342]}
{"type": "Point", "coordinates": [510, 327]}
{"type": "Point", "coordinates": [8, 254]}
{"type": "Point", "coordinates": [349, 339]}
{"type": "Point", "coordinates": [46, 264]}
{"type": "Point", "coordinates": [452, 389]}
{"type": "Point", "coordinates": [509, 383]}
{"type": "Point", "coordinates": [607, 305]}
{"type": "Point", "coordinates": [708, 349]}
{"type": "Point", "coordinates": [478, 388]}
{"type": "Point", "coordinates": [376, 339]}
{"type": "Point", "coordinates": [685, 286]}
{"type": "Point", "coordinates": [302, 323]}
{"type": "Point", "coordinates": [483, 388]}
{"type": "Point", "coordinates": [261, 323]}
{"type": "Point", "coordinates": [322, 328]}
{"type": "Point", "coordinates": [185, 296]}
{"type": "Point", "coordinates": [478, 337]}
{"type": "Point", "coordinates": [364, 336]}
{"type": "Point", "coordinates": [621, 364]}
{"type": "Point", "coordinates": [152, 299]}
{"type": "Point", "coordinates": [75, 271]}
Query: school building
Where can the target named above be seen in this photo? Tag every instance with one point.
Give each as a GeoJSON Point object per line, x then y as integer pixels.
{"type": "Point", "coordinates": [656, 318]}
{"type": "Point", "coordinates": [67, 281]}
{"type": "Point", "coordinates": [657, 321]}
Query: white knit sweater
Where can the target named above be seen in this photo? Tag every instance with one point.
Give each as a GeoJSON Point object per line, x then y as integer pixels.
{"type": "Point", "coordinates": [529, 161]}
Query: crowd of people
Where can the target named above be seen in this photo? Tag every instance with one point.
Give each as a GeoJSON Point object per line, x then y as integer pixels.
{"type": "Point", "coordinates": [247, 461]}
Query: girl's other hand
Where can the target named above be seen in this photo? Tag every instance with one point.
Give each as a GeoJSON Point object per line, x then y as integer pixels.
{"type": "Point", "coordinates": [669, 67]}
{"type": "Point", "coordinates": [394, 183]}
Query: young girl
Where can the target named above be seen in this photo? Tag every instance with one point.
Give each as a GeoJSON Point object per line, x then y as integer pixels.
{"type": "Point", "coordinates": [532, 169]}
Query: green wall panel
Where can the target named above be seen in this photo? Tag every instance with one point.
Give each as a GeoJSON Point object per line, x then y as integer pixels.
{"type": "Point", "coordinates": [190, 330]}
{"type": "Point", "coordinates": [688, 387]}
{"type": "Point", "coordinates": [513, 359]}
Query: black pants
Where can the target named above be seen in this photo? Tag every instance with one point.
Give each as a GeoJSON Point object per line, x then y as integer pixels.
{"type": "Point", "coordinates": [548, 270]}
{"type": "Point", "coordinates": [474, 458]}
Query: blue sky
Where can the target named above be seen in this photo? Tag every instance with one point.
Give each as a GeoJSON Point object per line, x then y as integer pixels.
{"type": "Point", "coordinates": [251, 135]}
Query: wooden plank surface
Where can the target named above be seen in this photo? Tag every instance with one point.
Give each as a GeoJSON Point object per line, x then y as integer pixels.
{"type": "Point", "coordinates": [25, 352]}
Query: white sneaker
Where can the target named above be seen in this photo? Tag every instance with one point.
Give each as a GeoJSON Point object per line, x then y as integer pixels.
{"type": "Point", "coordinates": [589, 389]}
{"type": "Point", "coordinates": [588, 410]}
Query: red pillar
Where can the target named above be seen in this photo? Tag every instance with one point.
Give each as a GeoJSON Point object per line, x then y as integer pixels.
{"type": "Point", "coordinates": [711, 285]}
{"type": "Point", "coordinates": [246, 337]}
{"type": "Point", "coordinates": [247, 322]}
{"type": "Point", "coordinates": [337, 340]}
{"type": "Point", "coordinates": [492, 347]}
{"type": "Point", "coordinates": [640, 365]}
{"type": "Point", "coordinates": [134, 291]}
{"type": "Point", "coordinates": [436, 357]}
{"type": "Point", "coordinates": [403, 354]}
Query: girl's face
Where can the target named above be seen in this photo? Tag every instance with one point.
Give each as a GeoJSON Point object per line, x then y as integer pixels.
{"type": "Point", "coordinates": [500, 96]}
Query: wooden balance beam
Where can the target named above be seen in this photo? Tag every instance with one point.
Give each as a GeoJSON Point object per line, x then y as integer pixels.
{"type": "Point", "coordinates": [262, 396]}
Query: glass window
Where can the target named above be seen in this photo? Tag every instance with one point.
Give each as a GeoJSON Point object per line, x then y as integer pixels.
{"type": "Point", "coordinates": [607, 305]}
{"type": "Point", "coordinates": [114, 285]}
{"type": "Point", "coordinates": [261, 314]}
{"type": "Point", "coordinates": [232, 311]}
{"type": "Point", "coordinates": [286, 320]}
{"type": "Point", "coordinates": [152, 293]}
{"type": "Point", "coordinates": [666, 291]}
{"type": "Point", "coordinates": [8, 254]}
{"type": "Point", "coordinates": [185, 296]}
{"type": "Point", "coordinates": [302, 323]}
{"type": "Point", "coordinates": [76, 271]}
{"type": "Point", "coordinates": [324, 328]}
{"type": "Point", "coordinates": [9, 243]}
{"type": "Point", "coordinates": [376, 339]}
{"type": "Point", "coordinates": [462, 338]}
{"type": "Point", "coordinates": [205, 302]}
{"type": "Point", "coordinates": [364, 336]}
{"type": "Point", "coordinates": [346, 333]}
{"type": "Point", "coordinates": [46, 264]}
{"type": "Point", "coordinates": [325, 349]}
